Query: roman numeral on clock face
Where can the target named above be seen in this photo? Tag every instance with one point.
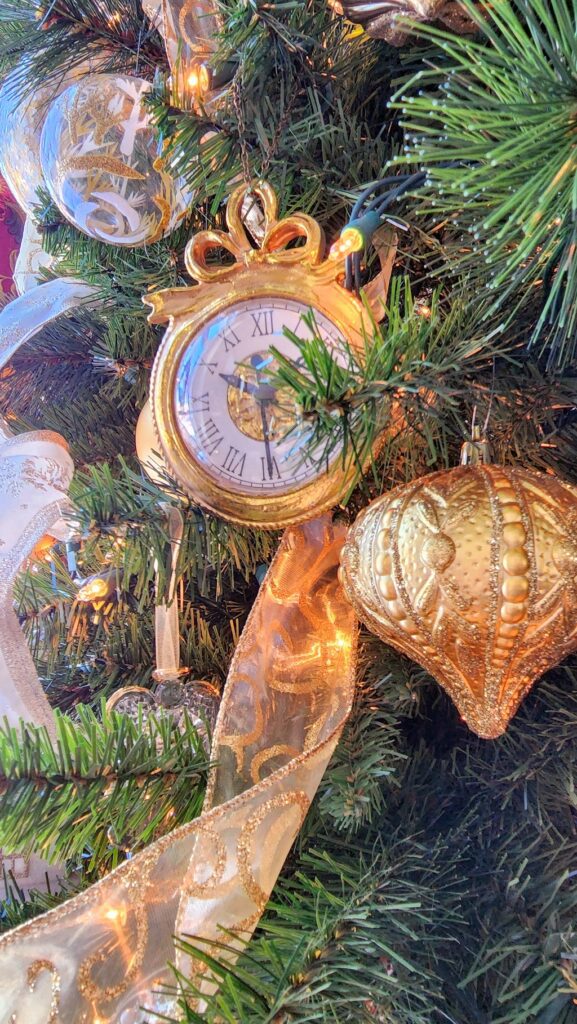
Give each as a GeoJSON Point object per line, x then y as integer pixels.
{"type": "Point", "coordinates": [234, 461]}
{"type": "Point", "coordinates": [263, 323]}
{"type": "Point", "coordinates": [270, 470]}
{"type": "Point", "coordinates": [211, 367]}
{"type": "Point", "coordinates": [201, 403]}
{"type": "Point", "coordinates": [230, 338]}
{"type": "Point", "coordinates": [210, 436]}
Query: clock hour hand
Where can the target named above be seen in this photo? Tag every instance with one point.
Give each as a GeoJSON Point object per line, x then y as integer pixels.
{"type": "Point", "coordinates": [237, 382]}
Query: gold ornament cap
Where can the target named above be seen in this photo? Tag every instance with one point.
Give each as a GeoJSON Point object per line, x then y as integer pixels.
{"type": "Point", "coordinates": [476, 449]}
{"type": "Point", "coordinates": [472, 573]}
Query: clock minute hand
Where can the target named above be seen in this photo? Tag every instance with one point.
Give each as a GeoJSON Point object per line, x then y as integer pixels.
{"type": "Point", "coordinates": [264, 421]}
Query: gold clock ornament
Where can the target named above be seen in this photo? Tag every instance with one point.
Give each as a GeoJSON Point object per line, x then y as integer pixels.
{"type": "Point", "coordinates": [231, 438]}
{"type": "Point", "coordinates": [472, 572]}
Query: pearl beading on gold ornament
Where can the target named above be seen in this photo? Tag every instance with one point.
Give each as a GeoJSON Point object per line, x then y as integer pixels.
{"type": "Point", "coordinates": [471, 572]}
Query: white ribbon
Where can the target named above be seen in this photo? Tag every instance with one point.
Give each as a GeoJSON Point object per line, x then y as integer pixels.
{"type": "Point", "coordinates": [32, 259]}
{"type": "Point", "coordinates": [35, 473]}
{"type": "Point", "coordinates": [22, 318]}
{"type": "Point", "coordinates": [166, 621]}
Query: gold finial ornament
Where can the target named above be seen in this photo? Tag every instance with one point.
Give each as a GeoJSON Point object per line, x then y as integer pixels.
{"type": "Point", "coordinates": [226, 432]}
{"type": "Point", "coordinates": [472, 572]}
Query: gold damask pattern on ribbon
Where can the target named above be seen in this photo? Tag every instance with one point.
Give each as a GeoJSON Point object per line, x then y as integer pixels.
{"type": "Point", "coordinates": [103, 955]}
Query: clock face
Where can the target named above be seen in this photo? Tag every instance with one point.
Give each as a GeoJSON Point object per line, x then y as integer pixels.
{"type": "Point", "coordinates": [243, 431]}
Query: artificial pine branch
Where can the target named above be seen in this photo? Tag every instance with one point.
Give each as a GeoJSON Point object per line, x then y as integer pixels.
{"type": "Point", "coordinates": [117, 500]}
{"type": "Point", "coordinates": [300, 122]}
{"type": "Point", "coordinates": [102, 788]}
{"type": "Point", "coordinates": [121, 282]}
{"type": "Point", "coordinates": [57, 37]}
{"type": "Point", "coordinates": [339, 941]}
{"type": "Point", "coordinates": [492, 120]}
{"type": "Point", "coordinates": [422, 378]}
{"type": "Point", "coordinates": [352, 794]}
{"type": "Point", "coordinates": [456, 901]}
{"type": "Point", "coordinates": [408, 370]}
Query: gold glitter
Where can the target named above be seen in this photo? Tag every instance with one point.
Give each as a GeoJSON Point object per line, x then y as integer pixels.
{"type": "Point", "coordinates": [33, 971]}
{"type": "Point", "coordinates": [245, 853]}
{"type": "Point", "coordinates": [277, 750]}
{"type": "Point", "coordinates": [238, 742]}
{"type": "Point", "coordinates": [102, 162]}
{"type": "Point", "coordinates": [165, 214]}
{"type": "Point", "coordinates": [215, 856]}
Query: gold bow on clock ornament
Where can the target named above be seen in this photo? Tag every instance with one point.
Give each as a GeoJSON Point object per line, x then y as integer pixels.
{"type": "Point", "coordinates": [472, 573]}
{"type": "Point", "coordinates": [234, 440]}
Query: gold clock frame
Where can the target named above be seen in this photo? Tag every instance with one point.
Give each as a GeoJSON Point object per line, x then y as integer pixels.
{"type": "Point", "coordinates": [271, 271]}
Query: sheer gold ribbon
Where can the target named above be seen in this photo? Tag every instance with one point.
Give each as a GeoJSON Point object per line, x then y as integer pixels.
{"type": "Point", "coordinates": [102, 955]}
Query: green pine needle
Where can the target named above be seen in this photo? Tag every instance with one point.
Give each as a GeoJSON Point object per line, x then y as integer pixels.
{"type": "Point", "coordinates": [493, 122]}
{"type": "Point", "coordinates": [102, 788]}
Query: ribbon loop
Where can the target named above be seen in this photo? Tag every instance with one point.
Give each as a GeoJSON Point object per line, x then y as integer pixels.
{"type": "Point", "coordinates": [288, 693]}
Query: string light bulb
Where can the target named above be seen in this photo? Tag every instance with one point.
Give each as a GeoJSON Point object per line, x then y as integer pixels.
{"type": "Point", "coordinates": [422, 308]}
{"type": "Point", "coordinates": [117, 915]}
{"type": "Point", "coordinates": [356, 235]}
{"type": "Point", "coordinates": [198, 79]}
{"type": "Point", "coordinates": [351, 240]}
{"type": "Point", "coordinates": [93, 590]}
{"type": "Point", "coordinates": [97, 589]}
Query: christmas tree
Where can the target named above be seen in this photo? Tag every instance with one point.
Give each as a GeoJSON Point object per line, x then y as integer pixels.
{"type": "Point", "coordinates": [432, 876]}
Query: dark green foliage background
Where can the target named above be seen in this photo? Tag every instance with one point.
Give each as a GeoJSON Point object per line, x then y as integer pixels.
{"type": "Point", "coordinates": [435, 877]}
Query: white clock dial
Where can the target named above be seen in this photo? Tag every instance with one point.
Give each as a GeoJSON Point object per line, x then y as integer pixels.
{"type": "Point", "coordinates": [232, 420]}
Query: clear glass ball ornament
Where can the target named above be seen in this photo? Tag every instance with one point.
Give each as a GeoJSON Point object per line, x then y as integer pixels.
{"type": "Point", "coordinates": [22, 115]}
{"type": "Point", "coordinates": [101, 163]}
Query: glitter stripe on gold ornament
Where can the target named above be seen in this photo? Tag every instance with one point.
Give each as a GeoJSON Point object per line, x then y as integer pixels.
{"type": "Point", "coordinates": [472, 573]}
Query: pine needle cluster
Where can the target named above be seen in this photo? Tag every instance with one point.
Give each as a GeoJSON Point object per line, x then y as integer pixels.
{"type": "Point", "coordinates": [492, 121]}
